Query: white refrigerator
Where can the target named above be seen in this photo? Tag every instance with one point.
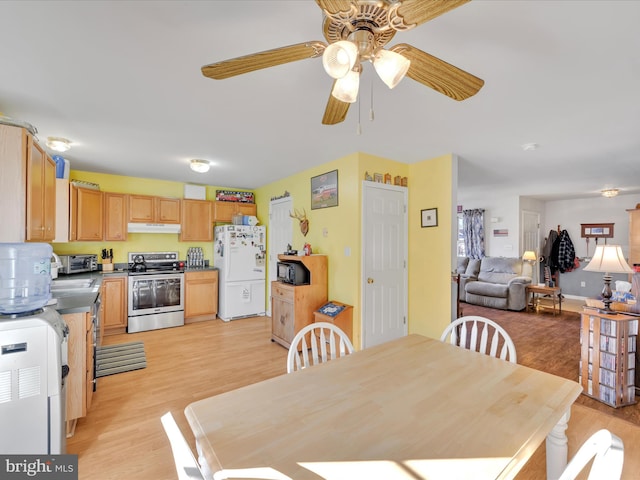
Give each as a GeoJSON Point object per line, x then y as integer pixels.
{"type": "Point", "coordinates": [239, 255]}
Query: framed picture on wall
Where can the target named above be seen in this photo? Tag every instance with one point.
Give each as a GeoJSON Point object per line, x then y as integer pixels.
{"type": "Point", "coordinates": [324, 190]}
{"type": "Point", "coordinates": [429, 217]}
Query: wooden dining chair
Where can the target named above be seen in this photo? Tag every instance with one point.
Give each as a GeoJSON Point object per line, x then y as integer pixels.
{"type": "Point", "coordinates": [317, 343]}
{"type": "Point", "coordinates": [607, 451]}
{"type": "Point", "coordinates": [473, 332]}
{"type": "Point", "coordinates": [186, 464]}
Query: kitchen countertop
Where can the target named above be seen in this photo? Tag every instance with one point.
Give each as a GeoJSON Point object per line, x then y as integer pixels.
{"type": "Point", "coordinates": [77, 302]}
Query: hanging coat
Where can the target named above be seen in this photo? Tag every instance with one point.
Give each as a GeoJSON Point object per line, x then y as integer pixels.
{"type": "Point", "coordinates": [566, 253]}
{"type": "Point", "coordinates": [548, 245]}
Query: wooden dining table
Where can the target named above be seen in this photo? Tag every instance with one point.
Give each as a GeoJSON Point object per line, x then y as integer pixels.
{"type": "Point", "coordinates": [412, 408]}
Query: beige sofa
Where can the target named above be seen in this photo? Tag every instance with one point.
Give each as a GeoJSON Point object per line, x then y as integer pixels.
{"type": "Point", "coordinates": [495, 282]}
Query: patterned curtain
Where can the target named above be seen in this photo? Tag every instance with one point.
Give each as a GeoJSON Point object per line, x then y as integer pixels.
{"type": "Point", "coordinates": [473, 231]}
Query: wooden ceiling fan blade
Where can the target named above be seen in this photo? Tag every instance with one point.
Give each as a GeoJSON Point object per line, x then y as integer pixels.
{"type": "Point", "coordinates": [334, 6]}
{"type": "Point", "coordinates": [438, 74]}
{"type": "Point", "coordinates": [266, 59]}
{"type": "Point", "coordinates": [412, 13]}
{"type": "Point", "coordinates": [336, 110]}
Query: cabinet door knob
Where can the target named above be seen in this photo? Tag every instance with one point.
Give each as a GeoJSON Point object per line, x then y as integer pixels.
{"type": "Point", "coordinates": [369, 280]}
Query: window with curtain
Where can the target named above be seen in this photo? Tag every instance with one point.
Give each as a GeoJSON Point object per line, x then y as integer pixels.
{"type": "Point", "coordinates": [473, 232]}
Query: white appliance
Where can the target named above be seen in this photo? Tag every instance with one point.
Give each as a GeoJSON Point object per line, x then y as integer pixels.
{"type": "Point", "coordinates": [33, 367]}
{"type": "Point", "coordinates": [239, 255]}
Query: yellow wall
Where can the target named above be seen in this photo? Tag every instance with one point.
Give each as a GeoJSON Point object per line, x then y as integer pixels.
{"type": "Point", "coordinates": [430, 248]}
{"type": "Point", "coordinates": [138, 242]}
{"type": "Point", "coordinates": [342, 223]}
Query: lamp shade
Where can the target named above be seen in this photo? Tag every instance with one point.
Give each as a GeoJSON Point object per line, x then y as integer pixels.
{"type": "Point", "coordinates": [391, 67]}
{"type": "Point", "coordinates": [530, 256]}
{"type": "Point", "coordinates": [339, 58]}
{"type": "Point", "coordinates": [346, 88]}
{"type": "Point", "coordinates": [608, 259]}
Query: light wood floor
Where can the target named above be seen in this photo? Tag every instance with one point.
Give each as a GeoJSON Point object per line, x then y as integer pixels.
{"type": "Point", "coordinates": [122, 437]}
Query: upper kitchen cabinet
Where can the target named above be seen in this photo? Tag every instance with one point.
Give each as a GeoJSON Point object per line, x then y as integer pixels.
{"type": "Point", "coordinates": [85, 219]}
{"type": "Point", "coordinates": [41, 194]}
{"type": "Point", "coordinates": [197, 221]}
{"type": "Point", "coordinates": [149, 209]}
{"type": "Point", "coordinates": [115, 216]}
{"type": "Point", "coordinates": [224, 211]}
{"type": "Point", "coordinates": [27, 188]}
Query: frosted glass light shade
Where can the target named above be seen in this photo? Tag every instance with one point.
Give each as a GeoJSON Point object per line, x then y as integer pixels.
{"type": "Point", "coordinates": [608, 259]}
{"type": "Point", "coordinates": [58, 144]}
{"type": "Point", "coordinates": [390, 66]}
{"type": "Point", "coordinates": [200, 166]}
{"type": "Point", "coordinates": [346, 88]}
{"type": "Point", "coordinates": [339, 58]}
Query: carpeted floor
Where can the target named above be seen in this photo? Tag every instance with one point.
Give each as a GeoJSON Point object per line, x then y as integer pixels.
{"type": "Point", "coordinates": [551, 344]}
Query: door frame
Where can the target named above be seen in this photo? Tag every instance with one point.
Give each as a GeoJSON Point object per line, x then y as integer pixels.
{"type": "Point", "coordinates": [366, 186]}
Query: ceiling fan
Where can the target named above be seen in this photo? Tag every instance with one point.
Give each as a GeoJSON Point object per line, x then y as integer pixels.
{"type": "Point", "coordinates": [358, 30]}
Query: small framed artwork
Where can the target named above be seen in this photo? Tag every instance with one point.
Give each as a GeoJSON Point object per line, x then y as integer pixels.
{"type": "Point", "coordinates": [429, 217]}
{"type": "Point", "coordinates": [501, 232]}
{"type": "Point", "coordinates": [324, 190]}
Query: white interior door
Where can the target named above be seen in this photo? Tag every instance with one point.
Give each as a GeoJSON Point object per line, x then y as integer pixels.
{"type": "Point", "coordinates": [280, 235]}
{"type": "Point", "coordinates": [531, 238]}
{"type": "Point", "coordinates": [384, 261]}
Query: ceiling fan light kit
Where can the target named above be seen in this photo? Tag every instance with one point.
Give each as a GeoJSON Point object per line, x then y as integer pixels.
{"type": "Point", "coordinates": [199, 166]}
{"type": "Point", "coordinates": [390, 66]}
{"type": "Point", "coordinates": [346, 88]}
{"type": "Point", "coordinates": [339, 58]}
{"type": "Point", "coordinates": [358, 30]}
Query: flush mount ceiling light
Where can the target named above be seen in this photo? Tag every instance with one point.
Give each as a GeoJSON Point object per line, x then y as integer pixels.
{"type": "Point", "coordinates": [530, 147]}
{"type": "Point", "coordinates": [58, 144]}
{"type": "Point", "coordinates": [610, 192]}
{"type": "Point", "coordinates": [200, 166]}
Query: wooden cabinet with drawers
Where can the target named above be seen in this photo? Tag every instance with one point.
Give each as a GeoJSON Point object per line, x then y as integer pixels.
{"type": "Point", "coordinates": [292, 306]}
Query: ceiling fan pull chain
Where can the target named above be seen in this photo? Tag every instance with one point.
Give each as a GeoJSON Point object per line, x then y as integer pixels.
{"type": "Point", "coordinates": [359, 129]}
{"type": "Point", "coordinates": [371, 115]}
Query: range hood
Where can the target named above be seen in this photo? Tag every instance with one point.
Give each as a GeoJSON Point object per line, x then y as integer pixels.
{"type": "Point", "coordinates": [153, 228]}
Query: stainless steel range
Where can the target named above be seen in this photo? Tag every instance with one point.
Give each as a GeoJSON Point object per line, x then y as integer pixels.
{"type": "Point", "coordinates": [156, 291]}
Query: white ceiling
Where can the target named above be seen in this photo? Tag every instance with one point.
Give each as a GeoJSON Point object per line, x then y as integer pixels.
{"type": "Point", "coordinates": [122, 80]}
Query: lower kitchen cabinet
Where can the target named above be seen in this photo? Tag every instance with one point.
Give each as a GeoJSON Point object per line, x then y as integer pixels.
{"type": "Point", "coordinates": [200, 295]}
{"type": "Point", "coordinates": [80, 359]}
{"type": "Point", "coordinates": [114, 304]}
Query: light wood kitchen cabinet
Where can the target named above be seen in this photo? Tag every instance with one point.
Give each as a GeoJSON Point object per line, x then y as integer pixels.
{"type": "Point", "coordinates": [114, 304]}
{"type": "Point", "coordinates": [86, 213]}
{"type": "Point", "coordinates": [224, 211]}
{"type": "Point", "coordinates": [292, 306]}
{"type": "Point", "coordinates": [150, 209]}
{"type": "Point", "coordinates": [41, 194]}
{"type": "Point", "coordinates": [197, 221]}
{"type": "Point", "coordinates": [80, 357]}
{"type": "Point", "coordinates": [27, 188]}
{"type": "Point", "coordinates": [115, 216]}
{"type": "Point", "coordinates": [200, 295]}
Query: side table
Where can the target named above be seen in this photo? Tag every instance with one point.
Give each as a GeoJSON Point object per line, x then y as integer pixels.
{"type": "Point", "coordinates": [532, 293]}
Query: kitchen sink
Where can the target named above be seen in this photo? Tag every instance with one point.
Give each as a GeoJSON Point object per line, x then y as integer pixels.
{"type": "Point", "coordinates": [74, 286]}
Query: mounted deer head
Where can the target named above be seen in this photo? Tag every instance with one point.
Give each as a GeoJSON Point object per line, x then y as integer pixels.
{"type": "Point", "coordinates": [304, 221]}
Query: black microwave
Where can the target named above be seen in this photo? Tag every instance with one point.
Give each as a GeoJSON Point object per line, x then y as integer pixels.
{"type": "Point", "coordinates": [294, 273]}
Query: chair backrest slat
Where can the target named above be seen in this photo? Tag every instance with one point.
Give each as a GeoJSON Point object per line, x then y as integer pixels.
{"type": "Point", "coordinates": [321, 347]}
{"type": "Point", "coordinates": [468, 337]}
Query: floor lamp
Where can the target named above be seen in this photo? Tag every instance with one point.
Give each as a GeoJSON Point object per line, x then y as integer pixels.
{"type": "Point", "coordinates": [531, 257]}
{"type": "Point", "coordinates": [608, 259]}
